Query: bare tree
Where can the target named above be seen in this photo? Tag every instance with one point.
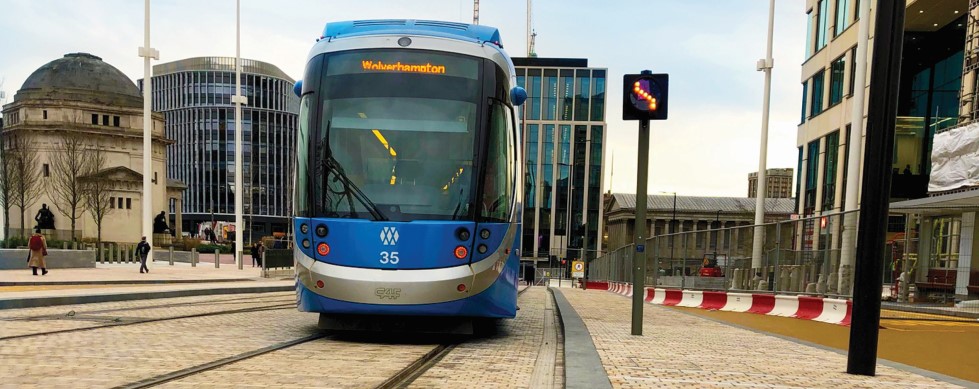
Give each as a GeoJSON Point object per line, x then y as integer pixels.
{"type": "Point", "coordinates": [96, 190]}
{"type": "Point", "coordinates": [26, 176]}
{"type": "Point", "coordinates": [69, 162]}
{"type": "Point", "coordinates": [7, 183]}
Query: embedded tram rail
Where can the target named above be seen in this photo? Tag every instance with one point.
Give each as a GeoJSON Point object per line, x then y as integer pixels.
{"type": "Point", "coordinates": [118, 321]}
{"type": "Point", "coordinates": [265, 345]}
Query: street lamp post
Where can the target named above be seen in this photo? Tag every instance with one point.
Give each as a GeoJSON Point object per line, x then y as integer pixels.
{"type": "Point", "coordinates": [147, 53]}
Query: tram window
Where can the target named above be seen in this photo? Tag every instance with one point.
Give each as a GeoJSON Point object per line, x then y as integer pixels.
{"type": "Point", "coordinates": [497, 183]}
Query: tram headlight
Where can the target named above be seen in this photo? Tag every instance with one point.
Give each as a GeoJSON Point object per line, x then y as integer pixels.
{"type": "Point", "coordinates": [306, 243]}
{"type": "Point", "coordinates": [304, 228]}
{"type": "Point", "coordinates": [462, 234]}
{"type": "Point", "coordinates": [484, 233]}
{"type": "Point", "coordinates": [482, 248]}
{"type": "Point", "coordinates": [322, 231]}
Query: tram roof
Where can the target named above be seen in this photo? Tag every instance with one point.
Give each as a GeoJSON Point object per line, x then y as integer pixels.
{"type": "Point", "coordinates": [462, 31]}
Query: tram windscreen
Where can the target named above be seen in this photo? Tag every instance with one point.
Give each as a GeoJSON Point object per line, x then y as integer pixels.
{"type": "Point", "coordinates": [396, 134]}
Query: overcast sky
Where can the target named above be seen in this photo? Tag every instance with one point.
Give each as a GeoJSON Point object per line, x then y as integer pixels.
{"type": "Point", "coordinates": [709, 47]}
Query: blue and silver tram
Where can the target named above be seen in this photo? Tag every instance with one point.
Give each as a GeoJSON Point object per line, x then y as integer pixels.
{"type": "Point", "coordinates": [406, 197]}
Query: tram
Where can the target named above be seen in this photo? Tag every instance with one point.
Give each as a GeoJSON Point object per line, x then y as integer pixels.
{"type": "Point", "coordinates": [407, 202]}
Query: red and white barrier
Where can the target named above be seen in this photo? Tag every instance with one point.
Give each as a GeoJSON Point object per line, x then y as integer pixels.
{"type": "Point", "coordinates": [737, 302]}
{"type": "Point", "coordinates": [825, 310]}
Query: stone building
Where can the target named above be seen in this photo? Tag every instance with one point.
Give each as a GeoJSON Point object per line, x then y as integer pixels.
{"type": "Point", "coordinates": [81, 96]}
{"type": "Point", "coordinates": [668, 214]}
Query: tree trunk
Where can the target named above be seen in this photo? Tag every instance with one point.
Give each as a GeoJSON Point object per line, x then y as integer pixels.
{"type": "Point", "coordinates": [73, 216]}
{"type": "Point", "coordinates": [22, 223]}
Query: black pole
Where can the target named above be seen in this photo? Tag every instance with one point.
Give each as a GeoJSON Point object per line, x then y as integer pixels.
{"type": "Point", "coordinates": [673, 234]}
{"type": "Point", "coordinates": [871, 230]}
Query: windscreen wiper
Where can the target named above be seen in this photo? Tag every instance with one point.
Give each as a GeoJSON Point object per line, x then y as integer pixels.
{"type": "Point", "coordinates": [332, 165]}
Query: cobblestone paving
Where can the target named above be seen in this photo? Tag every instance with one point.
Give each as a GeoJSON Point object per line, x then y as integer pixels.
{"type": "Point", "coordinates": [324, 363]}
{"type": "Point", "coordinates": [505, 360]}
{"type": "Point", "coordinates": [94, 315]}
{"type": "Point", "coordinates": [680, 351]}
{"type": "Point", "coordinates": [118, 355]}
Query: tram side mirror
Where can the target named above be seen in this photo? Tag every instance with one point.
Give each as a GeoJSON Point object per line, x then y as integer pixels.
{"type": "Point", "coordinates": [518, 95]}
{"type": "Point", "coordinates": [298, 88]}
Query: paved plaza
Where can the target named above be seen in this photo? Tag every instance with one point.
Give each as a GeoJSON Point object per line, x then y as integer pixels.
{"type": "Point", "coordinates": [680, 350]}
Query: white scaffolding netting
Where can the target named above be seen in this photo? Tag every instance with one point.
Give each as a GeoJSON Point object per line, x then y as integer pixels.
{"type": "Point", "coordinates": [955, 159]}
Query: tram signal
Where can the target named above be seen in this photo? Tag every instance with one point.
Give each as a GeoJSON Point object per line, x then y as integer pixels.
{"type": "Point", "coordinates": [645, 96]}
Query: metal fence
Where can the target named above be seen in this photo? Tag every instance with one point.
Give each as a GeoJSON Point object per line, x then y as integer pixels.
{"type": "Point", "coordinates": [799, 257]}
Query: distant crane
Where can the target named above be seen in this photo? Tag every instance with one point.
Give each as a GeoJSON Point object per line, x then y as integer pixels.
{"type": "Point", "coordinates": [475, 11]}
{"type": "Point", "coordinates": [531, 34]}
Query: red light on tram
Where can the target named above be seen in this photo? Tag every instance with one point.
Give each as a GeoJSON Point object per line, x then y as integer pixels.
{"type": "Point", "coordinates": [319, 284]}
{"type": "Point", "coordinates": [461, 287]}
{"type": "Point", "coordinates": [323, 249]}
{"type": "Point", "coordinates": [461, 252]}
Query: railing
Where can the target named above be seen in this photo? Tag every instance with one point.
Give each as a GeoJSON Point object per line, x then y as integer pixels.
{"type": "Point", "coordinates": [798, 256]}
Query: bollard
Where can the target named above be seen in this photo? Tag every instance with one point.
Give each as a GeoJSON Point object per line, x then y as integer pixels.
{"type": "Point", "coordinates": [119, 253]}
{"type": "Point", "coordinates": [171, 255]}
{"type": "Point", "coordinates": [74, 245]}
{"type": "Point", "coordinates": [193, 257]}
{"type": "Point", "coordinates": [64, 245]}
{"type": "Point", "coordinates": [217, 258]}
{"type": "Point", "coordinates": [101, 253]}
{"type": "Point", "coordinates": [241, 263]}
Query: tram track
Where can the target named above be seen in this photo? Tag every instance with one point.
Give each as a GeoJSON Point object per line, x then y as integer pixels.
{"type": "Point", "coordinates": [119, 322]}
{"type": "Point", "coordinates": [410, 373]}
{"type": "Point", "coordinates": [289, 296]}
{"type": "Point", "coordinates": [179, 374]}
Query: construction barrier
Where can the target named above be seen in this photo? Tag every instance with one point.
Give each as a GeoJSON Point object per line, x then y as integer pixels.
{"type": "Point", "coordinates": [836, 312]}
{"type": "Point", "coordinates": [714, 300]}
{"type": "Point", "coordinates": [833, 311]}
{"type": "Point", "coordinates": [737, 302]}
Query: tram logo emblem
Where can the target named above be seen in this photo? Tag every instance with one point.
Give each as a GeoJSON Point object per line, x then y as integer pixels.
{"type": "Point", "coordinates": [389, 236]}
{"type": "Point", "coordinates": [388, 293]}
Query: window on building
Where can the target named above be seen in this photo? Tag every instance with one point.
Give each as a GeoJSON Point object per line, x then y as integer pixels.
{"type": "Point", "coordinates": [846, 164]}
{"type": "Point", "coordinates": [798, 180]}
{"type": "Point", "coordinates": [45, 114]}
{"type": "Point", "coordinates": [95, 118]}
{"type": "Point", "coordinates": [810, 32]}
{"type": "Point", "coordinates": [105, 120]}
{"type": "Point", "coordinates": [46, 170]}
{"type": "Point", "coordinates": [842, 16]}
{"type": "Point", "coordinates": [805, 91]}
{"type": "Point", "coordinates": [119, 200]}
{"type": "Point", "coordinates": [830, 163]}
{"type": "Point", "coordinates": [812, 167]}
{"type": "Point", "coordinates": [945, 243]}
{"type": "Point", "coordinates": [816, 103]}
{"type": "Point", "coordinates": [853, 69]}
{"type": "Point", "coordinates": [115, 121]}
{"type": "Point", "coordinates": [112, 202]}
{"type": "Point", "coordinates": [822, 25]}
{"type": "Point", "coordinates": [129, 203]}
{"type": "Point", "coordinates": [836, 80]}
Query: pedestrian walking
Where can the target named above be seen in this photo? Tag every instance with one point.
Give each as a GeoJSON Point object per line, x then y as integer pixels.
{"type": "Point", "coordinates": [143, 249]}
{"type": "Point", "coordinates": [261, 252]}
{"type": "Point", "coordinates": [39, 248]}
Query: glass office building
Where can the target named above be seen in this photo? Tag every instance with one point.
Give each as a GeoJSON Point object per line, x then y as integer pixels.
{"type": "Point", "coordinates": [564, 126]}
{"type": "Point", "coordinates": [194, 96]}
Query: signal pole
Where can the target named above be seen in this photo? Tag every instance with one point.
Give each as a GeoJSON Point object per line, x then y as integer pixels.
{"type": "Point", "coordinates": [644, 99]}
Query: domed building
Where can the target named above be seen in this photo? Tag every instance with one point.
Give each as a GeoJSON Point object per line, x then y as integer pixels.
{"type": "Point", "coordinates": [78, 122]}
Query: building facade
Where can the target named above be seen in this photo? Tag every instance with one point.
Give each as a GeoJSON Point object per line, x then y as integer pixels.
{"type": "Point", "coordinates": [719, 224]}
{"type": "Point", "coordinates": [564, 129]}
{"type": "Point", "coordinates": [194, 96]}
{"type": "Point", "coordinates": [777, 181]}
{"type": "Point", "coordinates": [81, 100]}
{"type": "Point", "coordinates": [935, 114]}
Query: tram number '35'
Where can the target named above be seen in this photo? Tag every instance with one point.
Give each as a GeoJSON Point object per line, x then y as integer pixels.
{"type": "Point", "coordinates": [389, 257]}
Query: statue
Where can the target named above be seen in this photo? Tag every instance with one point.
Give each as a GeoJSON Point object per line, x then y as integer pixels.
{"type": "Point", "coordinates": [160, 223]}
{"type": "Point", "coordinates": [44, 218]}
